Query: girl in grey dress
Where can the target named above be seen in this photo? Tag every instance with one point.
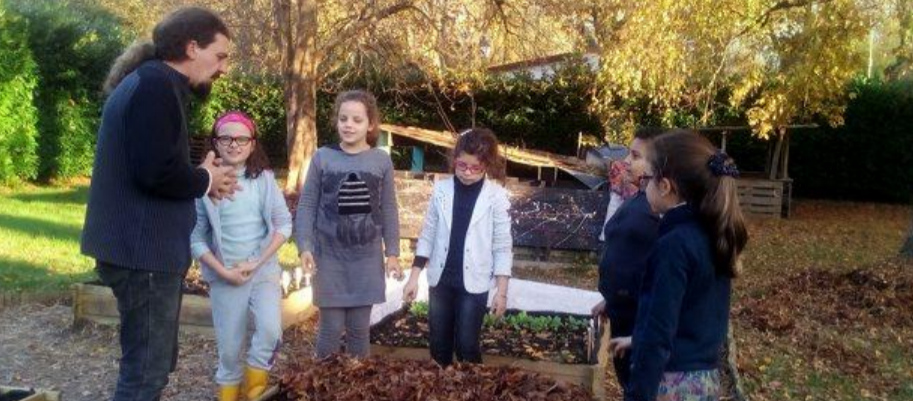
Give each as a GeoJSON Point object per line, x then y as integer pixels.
{"type": "Point", "coordinates": [347, 222]}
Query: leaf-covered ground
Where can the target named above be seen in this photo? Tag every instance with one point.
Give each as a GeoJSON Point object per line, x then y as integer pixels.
{"type": "Point", "coordinates": [378, 378]}
{"type": "Point", "coordinates": [823, 309]}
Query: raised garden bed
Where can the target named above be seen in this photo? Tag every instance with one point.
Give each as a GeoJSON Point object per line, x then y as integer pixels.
{"type": "Point", "coordinates": [376, 378]}
{"type": "Point", "coordinates": [537, 336]}
{"type": "Point", "coordinates": [94, 302]}
{"type": "Point", "coordinates": [569, 353]}
{"type": "Point", "coordinates": [585, 340]}
{"type": "Point", "coordinates": [27, 394]}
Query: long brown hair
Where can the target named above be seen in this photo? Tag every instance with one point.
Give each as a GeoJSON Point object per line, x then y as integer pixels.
{"type": "Point", "coordinates": [367, 99]}
{"type": "Point", "coordinates": [136, 54]}
{"type": "Point", "coordinates": [481, 143]}
{"type": "Point", "coordinates": [169, 42]}
{"type": "Point", "coordinates": [706, 179]}
{"type": "Point", "coordinates": [257, 162]}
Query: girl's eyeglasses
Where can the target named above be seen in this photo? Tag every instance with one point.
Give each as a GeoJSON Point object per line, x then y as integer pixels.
{"type": "Point", "coordinates": [647, 178]}
{"type": "Point", "coordinates": [474, 169]}
{"type": "Point", "coordinates": [226, 141]}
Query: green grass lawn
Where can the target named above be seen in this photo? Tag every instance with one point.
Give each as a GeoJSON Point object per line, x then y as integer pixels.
{"type": "Point", "coordinates": [40, 228]}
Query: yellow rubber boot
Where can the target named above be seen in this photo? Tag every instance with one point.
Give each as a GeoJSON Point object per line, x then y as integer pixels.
{"type": "Point", "coordinates": [255, 381]}
{"type": "Point", "coordinates": [229, 393]}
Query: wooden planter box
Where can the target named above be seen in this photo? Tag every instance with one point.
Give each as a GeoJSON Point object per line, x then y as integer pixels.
{"type": "Point", "coordinates": [590, 376]}
{"type": "Point", "coordinates": [96, 303]}
{"type": "Point", "coordinates": [40, 395]}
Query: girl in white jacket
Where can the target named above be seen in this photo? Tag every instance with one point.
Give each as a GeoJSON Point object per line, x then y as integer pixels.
{"type": "Point", "coordinates": [466, 246]}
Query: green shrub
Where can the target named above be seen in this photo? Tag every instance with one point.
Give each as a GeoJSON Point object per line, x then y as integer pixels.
{"type": "Point", "coordinates": [73, 44]}
{"type": "Point", "coordinates": [18, 116]}
{"type": "Point", "coordinates": [869, 158]}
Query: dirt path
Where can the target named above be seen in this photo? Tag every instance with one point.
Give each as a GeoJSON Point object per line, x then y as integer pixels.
{"type": "Point", "coordinates": [39, 348]}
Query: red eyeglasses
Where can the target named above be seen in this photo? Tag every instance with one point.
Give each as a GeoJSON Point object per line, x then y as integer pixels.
{"type": "Point", "coordinates": [474, 169]}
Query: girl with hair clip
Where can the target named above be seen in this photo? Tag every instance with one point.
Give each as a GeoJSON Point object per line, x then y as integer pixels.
{"type": "Point", "coordinates": [347, 222]}
{"type": "Point", "coordinates": [466, 246]}
{"type": "Point", "coordinates": [236, 241]}
{"type": "Point", "coordinates": [683, 314]}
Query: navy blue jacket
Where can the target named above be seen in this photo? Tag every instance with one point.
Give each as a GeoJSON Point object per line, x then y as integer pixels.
{"type": "Point", "coordinates": [684, 307]}
{"type": "Point", "coordinates": [141, 201]}
{"type": "Point", "coordinates": [629, 237]}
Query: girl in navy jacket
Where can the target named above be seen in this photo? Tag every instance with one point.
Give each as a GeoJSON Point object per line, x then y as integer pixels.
{"type": "Point", "coordinates": [629, 237]}
{"type": "Point", "coordinates": [684, 308]}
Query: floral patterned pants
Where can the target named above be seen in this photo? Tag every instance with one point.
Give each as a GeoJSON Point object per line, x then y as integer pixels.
{"type": "Point", "coordinates": [700, 385]}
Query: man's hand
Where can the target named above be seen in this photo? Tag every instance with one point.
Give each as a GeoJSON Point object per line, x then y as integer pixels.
{"type": "Point", "coordinates": [224, 180]}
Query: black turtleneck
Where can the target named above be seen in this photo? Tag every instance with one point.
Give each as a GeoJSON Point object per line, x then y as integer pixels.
{"type": "Point", "coordinates": [464, 201]}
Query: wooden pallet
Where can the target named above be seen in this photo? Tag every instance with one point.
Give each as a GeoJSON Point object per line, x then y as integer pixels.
{"type": "Point", "coordinates": [96, 303]}
{"type": "Point", "coordinates": [760, 197]}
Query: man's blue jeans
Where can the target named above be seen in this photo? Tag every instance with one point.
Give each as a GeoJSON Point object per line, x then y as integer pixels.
{"type": "Point", "coordinates": [149, 304]}
{"type": "Point", "coordinates": [456, 318]}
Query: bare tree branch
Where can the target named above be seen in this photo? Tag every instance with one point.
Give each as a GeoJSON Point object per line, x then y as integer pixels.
{"type": "Point", "coordinates": [363, 22]}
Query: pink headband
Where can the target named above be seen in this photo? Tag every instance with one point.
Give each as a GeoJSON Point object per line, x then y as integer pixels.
{"type": "Point", "coordinates": [235, 117]}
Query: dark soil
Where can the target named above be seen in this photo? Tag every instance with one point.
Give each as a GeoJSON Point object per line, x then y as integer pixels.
{"type": "Point", "coordinates": [565, 345]}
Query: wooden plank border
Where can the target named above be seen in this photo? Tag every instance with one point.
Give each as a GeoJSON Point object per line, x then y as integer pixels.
{"type": "Point", "coordinates": [96, 303]}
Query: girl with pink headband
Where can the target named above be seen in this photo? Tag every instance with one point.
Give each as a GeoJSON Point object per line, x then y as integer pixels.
{"type": "Point", "coordinates": [235, 117]}
{"type": "Point", "coordinates": [236, 241]}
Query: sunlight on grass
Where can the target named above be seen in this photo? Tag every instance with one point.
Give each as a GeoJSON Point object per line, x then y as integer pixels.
{"type": "Point", "coordinates": [40, 228]}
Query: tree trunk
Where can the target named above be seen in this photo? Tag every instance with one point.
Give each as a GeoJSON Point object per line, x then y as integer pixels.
{"type": "Point", "coordinates": [784, 171]}
{"type": "Point", "coordinates": [777, 157]}
{"type": "Point", "coordinates": [302, 130]}
{"type": "Point", "coordinates": [302, 60]}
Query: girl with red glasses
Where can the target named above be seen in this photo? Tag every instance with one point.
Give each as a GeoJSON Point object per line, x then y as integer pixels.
{"type": "Point", "coordinates": [466, 246]}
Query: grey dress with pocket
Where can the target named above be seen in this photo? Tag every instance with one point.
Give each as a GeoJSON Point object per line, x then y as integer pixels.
{"type": "Point", "coordinates": [347, 218]}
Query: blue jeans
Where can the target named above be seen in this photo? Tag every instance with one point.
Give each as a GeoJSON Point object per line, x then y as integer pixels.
{"type": "Point", "coordinates": [149, 304]}
{"type": "Point", "coordinates": [456, 317]}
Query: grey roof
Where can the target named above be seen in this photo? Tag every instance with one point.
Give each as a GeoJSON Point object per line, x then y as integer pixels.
{"type": "Point", "coordinates": [609, 152]}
